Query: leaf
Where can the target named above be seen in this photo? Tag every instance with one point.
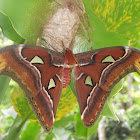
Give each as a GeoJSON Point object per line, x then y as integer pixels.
{"type": "Point", "coordinates": [82, 132]}
{"type": "Point", "coordinates": [120, 16]}
{"type": "Point", "coordinates": [4, 82]}
{"type": "Point", "coordinates": [66, 103]}
{"type": "Point", "coordinates": [50, 136]}
{"type": "Point", "coordinates": [21, 104]}
{"type": "Point", "coordinates": [31, 131]}
{"type": "Point", "coordinates": [100, 36]}
{"type": "Point", "coordinates": [8, 29]}
{"type": "Point", "coordinates": [27, 16]}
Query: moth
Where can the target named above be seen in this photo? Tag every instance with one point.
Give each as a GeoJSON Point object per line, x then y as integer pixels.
{"type": "Point", "coordinates": [42, 73]}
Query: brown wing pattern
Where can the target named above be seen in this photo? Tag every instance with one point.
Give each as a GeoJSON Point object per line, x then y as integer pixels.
{"type": "Point", "coordinates": [39, 73]}
{"type": "Point", "coordinates": [96, 75]}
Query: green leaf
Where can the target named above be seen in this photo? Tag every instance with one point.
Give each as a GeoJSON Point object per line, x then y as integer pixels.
{"type": "Point", "coordinates": [8, 29]}
{"type": "Point", "coordinates": [21, 104]}
{"type": "Point", "coordinates": [82, 132]}
{"type": "Point", "coordinates": [100, 36]}
{"type": "Point", "coordinates": [31, 131]}
{"type": "Point", "coordinates": [50, 136]}
{"type": "Point", "coordinates": [66, 103]}
{"type": "Point", "coordinates": [120, 16]}
{"type": "Point", "coordinates": [27, 16]}
{"type": "Point", "coordinates": [4, 83]}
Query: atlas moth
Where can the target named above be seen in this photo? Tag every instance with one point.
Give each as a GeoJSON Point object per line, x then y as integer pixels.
{"type": "Point", "coordinates": [42, 73]}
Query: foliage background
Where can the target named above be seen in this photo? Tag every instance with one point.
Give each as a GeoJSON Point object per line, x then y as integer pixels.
{"type": "Point", "coordinates": [114, 22]}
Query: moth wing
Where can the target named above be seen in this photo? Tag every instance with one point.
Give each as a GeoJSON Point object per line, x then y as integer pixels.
{"type": "Point", "coordinates": [38, 71]}
{"type": "Point", "coordinates": [96, 74]}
